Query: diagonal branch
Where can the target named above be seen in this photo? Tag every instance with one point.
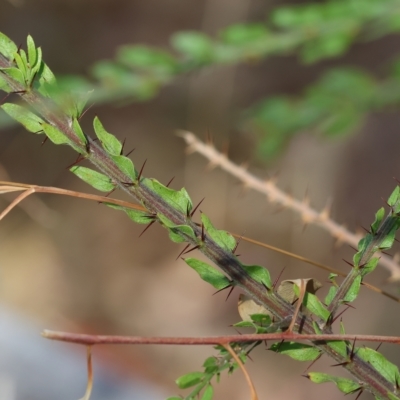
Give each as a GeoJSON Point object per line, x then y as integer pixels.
{"type": "Point", "coordinates": [279, 197]}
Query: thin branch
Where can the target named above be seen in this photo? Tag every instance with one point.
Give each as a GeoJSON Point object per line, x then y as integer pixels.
{"type": "Point", "coordinates": [84, 339]}
{"type": "Point", "coordinates": [245, 373]}
{"type": "Point", "coordinates": [277, 196]}
{"type": "Point", "coordinates": [89, 385]}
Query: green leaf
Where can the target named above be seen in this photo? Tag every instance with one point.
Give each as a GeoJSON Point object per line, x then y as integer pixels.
{"type": "Point", "coordinates": [35, 68]}
{"type": "Point", "coordinates": [47, 80]}
{"type": "Point", "coordinates": [259, 274]}
{"type": "Point", "coordinates": [378, 220]}
{"type": "Point", "coordinates": [208, 393]}
{"type": "Point", "coordinates": [78, 131]}
{"type": "Point", "coordinates": [394, 197]}
{"type": "Point", "coordinates": [7, 47]}
{"type": "Point", "coordinates": [96, 179]}
{"type": "Point", "coordinates": [314, 305]}
{"type": "Point", "coordinates": [4, 85]}
{"type": "Point", "coordinates": [32, 53]}
{"type": "Point", "coordinates": [188, 380]}
{"type": "Point", "coordinates": [194, 45]}
{"type": "Point", "coordinates": [20, 60]}
{"type": "Point", "coordinates": [242, 34]}
{"type": "Point", "coordinates": [245, 324]}
{"type": "Point", "coordinates": [178, 199]}
{"type": "Point", "coordinates": [370, 266]}
{"type": "Point", "coordinates": [56, 136]}
{"type": "Point", "coordinates": [331, 294]}
{"type": "Point", "coordinates": [352, 294]}
{"type": "Point", "coordinates": [177, 233]}
{"type": "Point", "coordinates": [388, 240]}
{"type": "Point", "coordinates": [343, 384]}
{"type": "Point", "coordinates": [148, 59]}
{"type": "Point", "coordinates": [208, 273]}
{"type": "Point", "coordinates": [15, 74]}
{"type": "Point", "coordinates": [125, 164]}
{"type": "Point", "coordinates": [388, 370]}
{"type": "Point", "coordinates": [222, 238]}
{"type": "Point", "coordinates": [211, 365]}
{"type": "Point", "coordinates": [30, 121]}
{"type": "Point", "coordinates": [109, 142]}
{"type": "Point", "coordinates": [174, 398]}
{"type": "Point", "coordinates": [297, 351]}
{"type": "Point", "coordinates": [140, 217]}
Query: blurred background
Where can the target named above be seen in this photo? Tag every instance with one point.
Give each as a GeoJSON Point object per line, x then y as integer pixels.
{"type": "Point", "coordinates": [308, 94]}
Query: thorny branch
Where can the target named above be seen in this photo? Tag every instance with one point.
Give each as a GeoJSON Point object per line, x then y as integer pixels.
{"type": "Point", "coordinates": [277, 196]}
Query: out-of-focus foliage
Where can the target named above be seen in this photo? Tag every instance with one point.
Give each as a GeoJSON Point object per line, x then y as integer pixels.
{"type": "Point", "coordinates": [336, 105]}
{"type": "Point", "coordinates": [315, 31]}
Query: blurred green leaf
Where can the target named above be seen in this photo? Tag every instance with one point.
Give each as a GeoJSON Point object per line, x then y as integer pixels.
{"type": "Point", "coordinates": [188, 380]}
{"type": "Point", "coordinates": [193, 45]}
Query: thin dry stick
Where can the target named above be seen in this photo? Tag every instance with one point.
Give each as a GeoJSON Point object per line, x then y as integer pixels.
{"type": "Point", "coordinates": [89, 385]}
{"type": "Point", "coordinates": [81, 338]}
{"type": "Point", "coordinates": [30, 189]}
{"type": "Point", "coordinates": [277, 196]}
{"type": "Point", "coordinates": [242, 367]}
{"type": "Point", "coordinates": [6, 187]}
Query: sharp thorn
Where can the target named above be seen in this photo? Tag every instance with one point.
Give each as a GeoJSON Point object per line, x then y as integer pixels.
{"type": "Point", "coordinates": [347, 262]}
{"type": "Point", "coordinates": [85, 111]}
{"type": "Point", "coordinates": [129, 152]}
{"type": "Point", "coordinates": [227, 297]}
{"type": "Point", "coordinates": [220, 290]}
{"type": "Point", "coordinates": [122, 148]}
{"type": "Point", "coordinates": [147, 227]}
{"type": "Point", "coordinates": [170, 181]}
{"type": "Point", "coordinates": [278, 277]}
{"type": "Point", "coordinates": [192, 249]}
{"type": "Point", "coordinates": [195, 209]}
{"type": "Point", "coordinates": [141, 170]}
{"type": "Point", "coordinates": [77, 161]}
{"type": "Point", "coordinates": [183, 251]}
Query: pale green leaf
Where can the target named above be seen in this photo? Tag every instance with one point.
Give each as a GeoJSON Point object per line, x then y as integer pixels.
{"type": "Point", "coordinates": [208, 393]}
{"type": "Point", "coordinates": [96, 179]}
{"type": "Point", "coordinates": [78, 131]}
{"type": "Point", "coordinates": [208, 273]}
{"type": "Point", "coordinates": [260, 274]}
{"type": "Point", "coordinates": [222, 238]}
{"type": "Point", "coordinates": [297, 351]}
{"type": "Point", "coordinates": [178, 199]}
{"type": "Point", "coordinates": [30, 121]}
{"type": "Point", "coordinates": [7, 47]}
{"type": "Point", "coordinates": [188, 380]}
{"type": "Point", "coordinates": [56, 136]}
{"type": "Point", "coordinates": [343, 384]}
{"type": "Point", "coordinates": [109, 142]}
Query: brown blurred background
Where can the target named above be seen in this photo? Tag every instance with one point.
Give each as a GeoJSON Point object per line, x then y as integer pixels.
{"type": "Point", "coordinates": [70, 264]}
